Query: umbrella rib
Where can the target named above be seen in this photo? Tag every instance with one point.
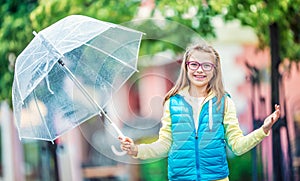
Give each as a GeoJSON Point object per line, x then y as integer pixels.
{"type": "Point", "coordinates": [113, 40]}
{"type": "Point", "coordinates": [35, 101]}
{"type": "Point", "coordinates": [78, 25]}
{"type": "Point", "coordinates": [108, 83]}
{"type": "Point", "coordinates": [32, 64]}
{"type": "Point", "coordinates": [70, 32]}
{"type": "Point", "coordinates": [124, 63]}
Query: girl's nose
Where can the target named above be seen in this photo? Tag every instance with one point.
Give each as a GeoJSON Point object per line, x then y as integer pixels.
{"type": "Point", "coordinates": [199, 69]}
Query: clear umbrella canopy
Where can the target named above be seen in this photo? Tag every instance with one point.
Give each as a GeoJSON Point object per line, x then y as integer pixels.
{"type": "Point", "coordinates": [69, 72]}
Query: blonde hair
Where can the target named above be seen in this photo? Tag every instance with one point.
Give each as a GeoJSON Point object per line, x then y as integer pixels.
{"type": "Point", "coordinates": [215, 84]}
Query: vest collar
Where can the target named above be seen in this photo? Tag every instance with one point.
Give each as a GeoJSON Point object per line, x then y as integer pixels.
{"type": "Point", "coordinates": [185, 93]}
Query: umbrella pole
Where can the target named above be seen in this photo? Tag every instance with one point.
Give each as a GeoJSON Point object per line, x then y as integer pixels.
{"type": "Point", "coordinates": [84, 91]}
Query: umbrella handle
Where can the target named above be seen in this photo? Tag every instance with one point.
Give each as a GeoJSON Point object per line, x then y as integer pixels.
{"type": "Point", "coordinates": [114, 150]}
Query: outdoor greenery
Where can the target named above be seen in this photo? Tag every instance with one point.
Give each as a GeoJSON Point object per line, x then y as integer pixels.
{"type": "Point", "coordinates": [19, 18]}
{"type": "Point", "coordinates": [261, 14]}
{"type": "Point", "coordinates": [240, 168]}
{"type": "Point", "coordinates": [257, 14]}
{"type": "Point", "coordinates": [15, 26]}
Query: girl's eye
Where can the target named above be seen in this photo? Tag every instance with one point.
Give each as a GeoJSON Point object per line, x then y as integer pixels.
{"type": "Point", "coordinates": [194, 64]}
{"type": "Point", "coordinates": [206, 66]}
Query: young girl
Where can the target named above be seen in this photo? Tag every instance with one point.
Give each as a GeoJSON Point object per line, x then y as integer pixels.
{"type": "Point", "coordinates": [199, 119]}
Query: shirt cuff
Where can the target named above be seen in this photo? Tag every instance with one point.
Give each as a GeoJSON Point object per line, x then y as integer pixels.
{"type": "Point", "coordinates": [262, 133]}
{"type": "Point", "coordinates": [138, 153]}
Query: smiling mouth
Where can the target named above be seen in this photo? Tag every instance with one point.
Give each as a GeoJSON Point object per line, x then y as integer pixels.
{"type": "Point", "coordinates": [200, 76]}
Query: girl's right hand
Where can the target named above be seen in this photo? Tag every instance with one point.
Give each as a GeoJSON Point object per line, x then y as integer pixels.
{"type": "Point", "coordinates": [128, 145]}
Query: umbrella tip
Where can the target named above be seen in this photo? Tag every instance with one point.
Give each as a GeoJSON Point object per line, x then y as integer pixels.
{"type": "Point", "coordinates": [35, 33]}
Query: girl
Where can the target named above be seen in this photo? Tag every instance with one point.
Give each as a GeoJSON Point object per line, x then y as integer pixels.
{"type": "Point", "coordinates": [199, 120]}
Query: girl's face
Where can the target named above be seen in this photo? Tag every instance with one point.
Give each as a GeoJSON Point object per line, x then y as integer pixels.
{"type": "Point", "coordinates": [200, 68]}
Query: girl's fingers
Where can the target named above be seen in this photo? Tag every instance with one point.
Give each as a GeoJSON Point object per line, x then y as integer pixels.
{"type": "Point", "coordinates": [127, 145]}
{"type": "Point", "coordinates": [276, 107]}
{"type": "Point", "coordinates": [277, 110]}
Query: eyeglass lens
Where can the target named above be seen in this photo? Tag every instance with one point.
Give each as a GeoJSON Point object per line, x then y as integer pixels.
{"type": "Point", "coordinates": [204, 66]}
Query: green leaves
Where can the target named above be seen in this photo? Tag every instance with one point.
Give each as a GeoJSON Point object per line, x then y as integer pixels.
{"type": "Point", "coordinates": [260, 14]}
{"type": "Point", "coordinates": [15, 33]}
{"type": "Point", "coordinates": [184, 21]}
{"type": "Point", "coordinates": [195, 14]}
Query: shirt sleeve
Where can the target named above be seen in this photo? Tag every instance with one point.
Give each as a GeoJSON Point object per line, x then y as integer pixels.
{"type": "Point", "coordinates": [161, 146]}
{"type": "Point", "coordinates": [236, 140]}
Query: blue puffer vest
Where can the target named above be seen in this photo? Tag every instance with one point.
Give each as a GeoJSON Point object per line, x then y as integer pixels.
{"type": "Point", "coordinates": [197, 155]}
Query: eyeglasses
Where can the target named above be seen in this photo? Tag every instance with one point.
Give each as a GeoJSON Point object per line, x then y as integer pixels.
{"type": "Point", "coordinates": [205, 66]}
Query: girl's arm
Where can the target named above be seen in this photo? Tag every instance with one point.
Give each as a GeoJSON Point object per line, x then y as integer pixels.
{"type": "Point", "coordinates": [157, 149]}
{"type": "Point", "coordinates": [236, 141]}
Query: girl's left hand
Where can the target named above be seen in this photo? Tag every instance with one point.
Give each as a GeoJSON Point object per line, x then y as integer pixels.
{"type": "Point", "coordinates": [271, 119]}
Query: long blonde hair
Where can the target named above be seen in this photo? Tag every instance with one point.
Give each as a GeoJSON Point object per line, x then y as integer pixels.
{"type": "Point", "coordinates": [215, 84]}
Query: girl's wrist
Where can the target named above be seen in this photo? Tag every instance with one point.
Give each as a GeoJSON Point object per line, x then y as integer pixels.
{"type": "Point", "coordinates": [134, 150]}
{"type": "Point", "coordinates": [265, 129]}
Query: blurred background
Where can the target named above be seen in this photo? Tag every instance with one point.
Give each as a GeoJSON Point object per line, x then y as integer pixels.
{"type": "Point", "coordinates": [259, 45]}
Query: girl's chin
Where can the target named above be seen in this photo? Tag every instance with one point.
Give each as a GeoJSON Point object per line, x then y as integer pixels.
{"type": "Point", "coordinates": [199, 83]}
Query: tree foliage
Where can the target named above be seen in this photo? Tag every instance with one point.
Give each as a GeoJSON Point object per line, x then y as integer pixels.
{"type": "Point", "coordinates": [48, 12]}
{"type": "Point", "coordinates": [196, 14]}
{"type": "Point", "coordinates": [19, 18]}
{"type": "Point", "coordinates": [14, 29]}
{"type": "Point", "coordinates": [260, 14]}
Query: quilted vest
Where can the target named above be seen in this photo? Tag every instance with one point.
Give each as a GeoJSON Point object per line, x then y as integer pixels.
{"type": "Point", "coordinates": [197, 155]}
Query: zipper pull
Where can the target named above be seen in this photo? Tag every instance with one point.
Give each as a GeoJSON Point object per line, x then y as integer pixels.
{"type": "Point", "coordinates": [196, 137]}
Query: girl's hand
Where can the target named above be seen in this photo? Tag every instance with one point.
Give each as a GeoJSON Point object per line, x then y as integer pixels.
{"type": "Point", "coordinates": [271, 119]}
{"type": "Point", "coordinates": [128, 145]}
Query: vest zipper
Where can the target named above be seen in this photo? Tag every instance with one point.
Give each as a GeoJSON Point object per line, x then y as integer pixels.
{"type": "Point", "coordinates": [197, 156]}
{"type": "Point", "coordinates": [199, 111]}
{"type": "Point", "coordinates": [196, 149]}
{"type": "Point", "coordinates": [197, 141]}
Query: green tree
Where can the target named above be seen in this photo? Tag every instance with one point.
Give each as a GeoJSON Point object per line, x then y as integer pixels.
{"type": "Point", "coordinates": [48, 12]}
{"type": "Point", "coordinates": [196, 14]}
{"type": "Point", "coordinates": [15, 26]}
{"type": "Point", "coordinates": [260, 14]}
{"type": "Point", "coordinates": [257, 14]}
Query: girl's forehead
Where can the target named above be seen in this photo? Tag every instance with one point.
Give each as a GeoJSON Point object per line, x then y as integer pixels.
{"type": "Point", "coordinates": [201, 56]}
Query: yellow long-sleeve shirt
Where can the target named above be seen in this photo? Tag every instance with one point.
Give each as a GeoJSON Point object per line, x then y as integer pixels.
{"type": "Point", "coordinates": [236, 140]}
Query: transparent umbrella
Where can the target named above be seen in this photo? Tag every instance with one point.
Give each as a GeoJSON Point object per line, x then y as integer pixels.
{"type": "Point", "coordinates": [69, 72]}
